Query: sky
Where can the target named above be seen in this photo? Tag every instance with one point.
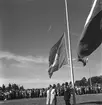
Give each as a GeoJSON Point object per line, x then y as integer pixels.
{"type": "Point", "coordinates": [28, 30]}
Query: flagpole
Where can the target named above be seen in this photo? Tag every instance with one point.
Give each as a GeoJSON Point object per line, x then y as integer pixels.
{"type": "Point", "coordinates": [70, 55]}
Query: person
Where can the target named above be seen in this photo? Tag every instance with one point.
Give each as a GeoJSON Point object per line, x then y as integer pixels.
{"type": "Point", "coordinates": [53, 100]}
{"type": "Point", "coordinates": [48, 95]}
{"type": "Point", "coordinates": [67, 94]}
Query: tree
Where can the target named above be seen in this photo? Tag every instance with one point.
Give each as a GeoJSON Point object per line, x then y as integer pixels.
{"type": "Point", "coordinates": [9, 86]}
{"type": "Point", "coordinates": [15, 86]}
{"type": "Point", "coordinates": [21, 88]}
{"type": "Point", "coordinates": [77, 83]}
{"type": "Point", "coordinates": [95, 79]}
{"type": "Point", "coordinates": [3, 88]}
{"type": "Point", "coordinates": [83, 82]}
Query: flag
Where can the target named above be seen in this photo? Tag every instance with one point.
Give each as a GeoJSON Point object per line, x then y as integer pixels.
{"type": "Point", "coordinates": [92, 33]}
{"type": "Point", "coordinates": [57, 56]}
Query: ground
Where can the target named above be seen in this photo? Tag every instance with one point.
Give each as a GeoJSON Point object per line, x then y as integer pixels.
{"type": "Point", "coordinates": [93, 99]}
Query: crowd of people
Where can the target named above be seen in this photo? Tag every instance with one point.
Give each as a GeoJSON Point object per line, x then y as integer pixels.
{"type": "Point", "coordinates": [88, 90]}
{"type": "Point", "coordinates": [18, 93]}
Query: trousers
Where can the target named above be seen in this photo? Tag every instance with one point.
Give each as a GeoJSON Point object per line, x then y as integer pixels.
{"type": "Point", "coordinates": [67, 102]}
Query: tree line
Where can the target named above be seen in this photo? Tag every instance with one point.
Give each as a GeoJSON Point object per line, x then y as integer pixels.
{"type": "Point", "coordinates": [95, 80]}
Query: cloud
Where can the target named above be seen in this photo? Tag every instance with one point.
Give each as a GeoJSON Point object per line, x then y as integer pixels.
{"type": "Point", "coordinates": [49, 28]}
{"type": "Point", "coordinates": [1, 66]}
{"type": "Point", "coordinates": [23, 59]}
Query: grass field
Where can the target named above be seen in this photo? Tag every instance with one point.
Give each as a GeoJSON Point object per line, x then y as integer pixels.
{"type": "Point", "coordinates": [93, 99]}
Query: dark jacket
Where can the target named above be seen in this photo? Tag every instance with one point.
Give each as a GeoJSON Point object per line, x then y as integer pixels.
{"type": "Point", "coordinates": [67, 94]}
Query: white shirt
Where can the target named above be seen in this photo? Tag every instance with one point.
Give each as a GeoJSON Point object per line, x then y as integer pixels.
{"type": "Point", "coordinates": [52, 96]}
{"type": "Point", "coordinates": [48, 97]}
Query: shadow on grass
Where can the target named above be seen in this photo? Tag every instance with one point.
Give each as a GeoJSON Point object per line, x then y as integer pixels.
{"type": "Point", "coordinates": [96, 102]}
